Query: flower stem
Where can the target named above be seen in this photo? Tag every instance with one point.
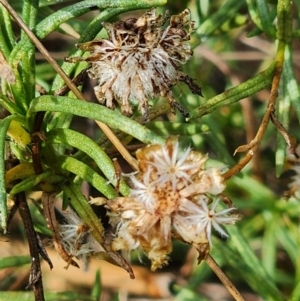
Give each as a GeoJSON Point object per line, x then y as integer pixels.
{"type": "Point", "coordinates": [227, 283]}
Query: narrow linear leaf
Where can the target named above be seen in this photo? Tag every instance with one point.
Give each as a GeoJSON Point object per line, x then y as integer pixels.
{"type": "Point", "coordinates": [18, 135]}
{"type": "Point", "coordinates": [52, 22]}
{"type": "Point", "coordinates": [216, 140]}
{"type": "Point", "coordinates": [13, 261]}
{"type": "Point", "coordinates": [289, 243]}
{"type": "Point", "coordinates": [238, 244]}
{"type": "Point", "coordinates": [225, 12]}
{"type": "Point", "coordinates": [283, 115]}
{"type": "Point", "coordinates": [42, 229]}
{"type": "Point", "coordinates": [88, 174]}
{"type": "Point", "coordinates": [265, 18]}
{"type": "Point", "coordinates": [18, 88]}
{"type": "Point", "coordinates": [45, 178]}
{"type": "Point", "coordinates": [27, 59]}
{"type": "Point", "coordinates": [19, 172]}
{"type": "Point", "coordinates": [289, 76]}
{"type": "Point", "coordinates": [96, 289]}
{"type": "Point", "coordinates": [7, 32]}
{"type": "Point", "coordinates": [167, 128]}
{"type": "Point", "coordinates": [284, 21]}
{"type": "Point", "coordinates": [84, 210]}
{"type": "Point", "coordinates": [4, 125]}
{"type": "Point", "coordinates": [250, 87]}
{"type": "Point", "coordinates": [287, 234]}
{"type": "Point", "coordinates": [269, 247]}
{"type": "Point", "coordinates": [186, 294]}
{"type": "Point", "coordinates": [252, 278]}
{"type": "Point", "coordinates": [49, 296]}
{"type": "Point", "coordinates": [96, 112]}
{"type": "Point", "coordinates": [88, 146]}
{"type": "Point", "coordinates": [44, 3]}
{"type": "Point", "coordinates": [254, 14]}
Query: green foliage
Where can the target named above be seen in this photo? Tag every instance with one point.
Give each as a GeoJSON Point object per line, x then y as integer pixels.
{"type": "Point", "coordinates": [218, 124]}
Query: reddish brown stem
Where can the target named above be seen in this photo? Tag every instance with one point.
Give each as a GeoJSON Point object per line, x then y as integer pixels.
{"type": "Point", "coordinates": [49, 213]}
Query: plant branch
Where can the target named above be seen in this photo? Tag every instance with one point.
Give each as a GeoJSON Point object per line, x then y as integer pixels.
{"type": "Point", "coordinates": [254, 144]}
{"type": "Point", "coordinates": [35, 278]}
{"type": "Point", "coordinates": [284, 30]}
{"type": "Point", "coordinates": [109, 133]}
{"type": "Point", "coordinates": [227, 283]}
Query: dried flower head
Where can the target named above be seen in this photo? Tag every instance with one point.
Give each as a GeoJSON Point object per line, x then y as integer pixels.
{"type": "Point", "coordinates": [170, 196]}
{"type": "Point", "coordinates": [140, 60]}
{"type": "Point", "coordinates": [75, 237]}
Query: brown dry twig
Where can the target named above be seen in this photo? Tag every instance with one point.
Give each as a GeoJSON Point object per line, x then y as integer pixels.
{"type": "Point", "coordinates": [227, 283]}
{"type": "Point", "coordinates": [49, 213]}
{"type": "Point", "coordinates": [254, 144]}
{"type": "Point", "coordinates": [290, 141]}
{"type": "Point", "coordinates": [35, 277]}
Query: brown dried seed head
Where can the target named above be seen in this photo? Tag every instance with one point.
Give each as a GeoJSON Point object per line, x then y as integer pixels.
{"type": "Point", "coordinates": [140, 60]}
{"type": "Point", "coordinates": [169, 199]}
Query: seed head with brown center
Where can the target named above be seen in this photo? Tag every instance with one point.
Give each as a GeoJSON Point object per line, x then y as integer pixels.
{"type": "Point", "coordinates": [169, 197]}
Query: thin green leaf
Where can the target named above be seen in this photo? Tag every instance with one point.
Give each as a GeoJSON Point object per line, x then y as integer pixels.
{"type": "Point", "coordinates": [290, 243]}
{"type": "Point", "coordinates": [51, 2]}
{"type": "Point", "coordinates": [49, 296]}
{"type": "Point", "coordinates": [27, 57]}
{"type": "Point", "coordinates": [6, 34]}
{"type": "Point", "coordinates": [254, 32]}
{"type": "Point", "coordinates": [284, 21]}
{"type": "Point", "coordinates": [13, 261]}
{"type": "Point", "coordinates": [227, 11]}
{"type": "Point", "coordinates": [245, 270]}
{"type": "Point", "coordinates": [18, 88]}
{"type": "Point", "coordinates": [265, 18]}
{"type": "Point", "coordinates": [96, 112]}
{"type": "Point", "coordinates": [289, 77]}
{"type": "Point", "coordinates": [97, 288]}
{"type": "Point", "coordinates": [42, 229]}
{"type": "Point", "coordinates": [9, 105]}
{"type": "Point", "coordinates": [166, 128]}
{"type": "Point", "coordinates": [187, 294]}
{"type": "Point", "coordinates": [53, 21]}
{"type": "Point", "coordinates": [269, 246]}
{"type": "Point", "coordinates": [84, 210]}
{"type": "Point", "coordinates": [283, 115]}
{"type": "Point", "coordinates": [217, 141]}
{"type": "Point", "coordinates": [88, 174]}
{"type": "Point", "coordinates": [249, 87]}
{"type": "Point", "coordinates": [4, 125]}
{"type": "Point", "coordinates": [34, 180]}
{"type": "Point", "coordinates": [239, 245]}
{"type": "Point", "coordinates": [254, 13]}
{"type": "Point", "coordinates": [88, 146]}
